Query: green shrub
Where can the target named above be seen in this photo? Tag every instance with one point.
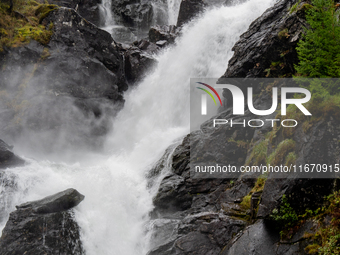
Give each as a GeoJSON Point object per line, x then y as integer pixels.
{"type": "Point", "coordinates": [319, 51]}
{"type": "Point", "coordinates": [285, 216]}
{"type": "Point", "coordinates": [327, 237]}
{"type": "Point", "coordinates": [294, 7]}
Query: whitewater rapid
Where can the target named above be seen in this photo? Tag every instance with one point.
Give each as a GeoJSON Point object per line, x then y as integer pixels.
{"type": "Point", "coordinates": [114, 215]}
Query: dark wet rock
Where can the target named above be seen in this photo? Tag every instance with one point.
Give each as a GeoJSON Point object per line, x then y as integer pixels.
{"type": "Point", "coordinates": [7, 157]}
{"type": "Point", "coordinates": [263, 238]}
{"type": "Point", "coordinates": [172, 193]}
{"type": "Point", "coordinates": [46, 226]}
{"type": "Point", "coordinates": [267, 48]}
{"type": "Point", "coordinates": [139, 60]}
{"type": "Point", "coordinates": [178, 189]}
{"type": "Point", "coordinates": [298, 242]}
{"type": "Point", "coordinates": [158, 34]}
{"type": "Point", "coordinates": [59, 202]}
{"type": "Point", "coordinates": [196, 205]}
{"type": "Point", "coordinates": [189, 9]}
{"type": "Point", "coordinates": [134, 13]}
{"type": "Point", "coordinates": [88, 9]}
{"type": "Point", "coordinates": [239, 190]}
{"type": "Point", "coordinates": [181, 195]}
{"type": "Point", "coordinates": [164, 233]}
{"type": "Point", "coordinates": [87, 43]}
{"type": "Point", "coordinates": [318, 146]}
{"type": "Point", "coordinates": [203, 233]}
{"type": "Point", "coordinates": [302, 194]}
{"type": "Point", "coordinates": [255, 239]}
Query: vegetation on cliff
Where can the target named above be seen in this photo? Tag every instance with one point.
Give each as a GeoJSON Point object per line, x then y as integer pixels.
{"type": "Point", "coordinates": [326, 240]}
{"type": "Point", "coordinates": [20, 24]}
{"type": "Point", "coordinates": [319, 50]}
{"type": "Point", "coordinates": [319, 57]}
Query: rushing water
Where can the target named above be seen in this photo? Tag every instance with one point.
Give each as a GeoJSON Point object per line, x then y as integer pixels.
{"type": "Point", "coordinates": [105, 11]}
{"type": "Point", "coordinates": [163, 12]}
{"type": "Point", "coordinates": [173, 9]}
{"type": "Point", "coordinates": [114, 214]}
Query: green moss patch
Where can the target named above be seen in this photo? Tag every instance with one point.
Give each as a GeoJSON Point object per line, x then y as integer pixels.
{"type": "Point", "coordinates": [23, 23]}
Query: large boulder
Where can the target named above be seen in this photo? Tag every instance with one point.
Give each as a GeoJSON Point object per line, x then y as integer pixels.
{"type": "Point", "coordinates": [59, 202]}
{"type": "Point", "coordinates": [139, 60]}
{"type": "Point", "coordinates": [46, 226]}
{"type": "Point", "coordinates": [163, 35]}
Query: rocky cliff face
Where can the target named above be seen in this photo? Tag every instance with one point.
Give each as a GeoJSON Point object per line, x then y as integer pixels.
{"type": "Point", "coordinates": [206, 211]}
{"type": "Point", "coordinates": [80, 72]}
{"type": "Point", "coordinates": [267, 49]}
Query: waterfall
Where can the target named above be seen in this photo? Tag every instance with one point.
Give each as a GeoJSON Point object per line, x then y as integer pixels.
{"type": "Point", "coordinates": [173, 10]}
{"type": "Point", "coordinates": [114, 214]}
{"type": "Point", "coordinates": [105, 12]}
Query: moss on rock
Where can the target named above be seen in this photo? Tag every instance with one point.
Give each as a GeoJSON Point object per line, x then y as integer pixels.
{"type": "Point", "coordinates": [23, 24]}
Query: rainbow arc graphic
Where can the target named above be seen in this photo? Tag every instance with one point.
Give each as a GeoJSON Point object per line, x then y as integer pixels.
{"type": "Point", "coordinates": [204, 98]}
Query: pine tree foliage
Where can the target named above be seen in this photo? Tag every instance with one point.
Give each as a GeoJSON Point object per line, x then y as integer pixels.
{"type": "Point", "coordinates": [319, 50]}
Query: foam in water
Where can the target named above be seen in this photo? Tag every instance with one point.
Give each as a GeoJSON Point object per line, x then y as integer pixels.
{"type": "Point", "coordinates": [114, 214]}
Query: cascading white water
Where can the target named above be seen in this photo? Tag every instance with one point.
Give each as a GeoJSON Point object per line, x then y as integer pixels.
{"type": "Point", "coordinates": [105, 12]}
{"type": "Point", "coordinates": [173, 9]}
{"type": "Point", "coordinates": [164, 13]}
{"type": "Point", "coordinates": [117, 201]}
